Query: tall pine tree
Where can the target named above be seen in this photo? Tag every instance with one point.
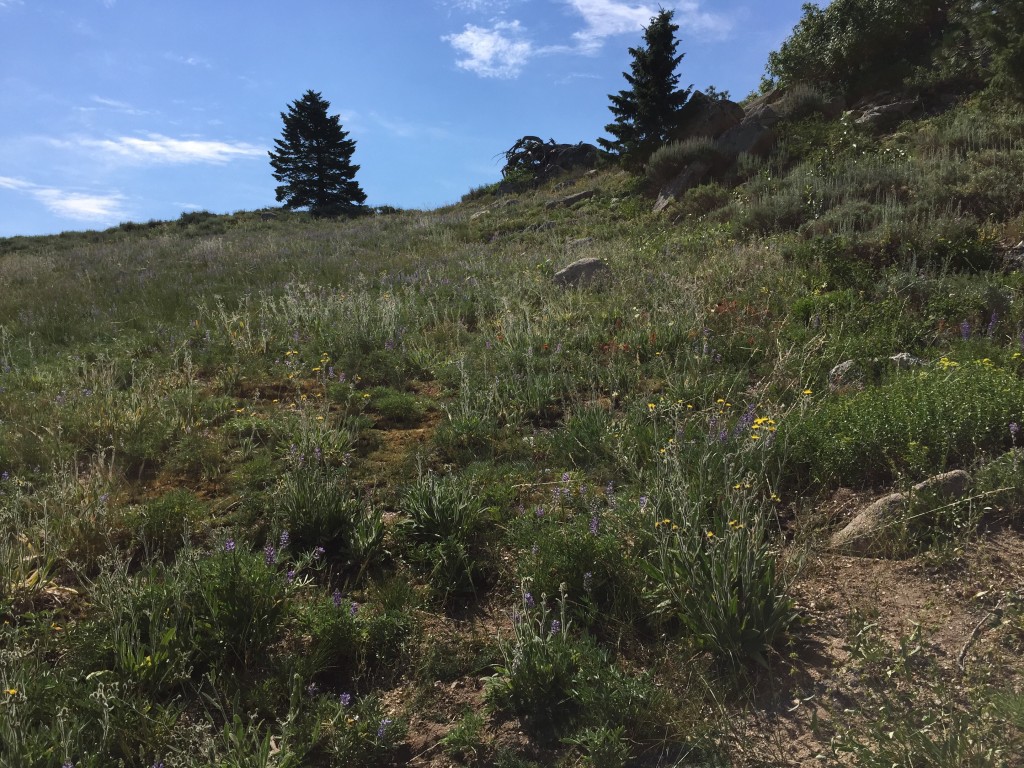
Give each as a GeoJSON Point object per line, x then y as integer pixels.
{"type": "Point", "coordinates": [313, 160]}
{"type": "Point", "coordinates": [647, 114]}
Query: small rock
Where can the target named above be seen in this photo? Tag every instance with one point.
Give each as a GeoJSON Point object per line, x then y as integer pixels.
{"type": "Point", "coordinates": [864, 534]}
{"type": "Point", "coordinates": [949, 485]}
{"type": "Point", "coordinates": [906, 360]}
{"type": "Point", "coordinates": [842, 373]}
{"type": "Point", "coordinates": [581, 272]}
{"type": "Point", "coordinates": [571, 199]}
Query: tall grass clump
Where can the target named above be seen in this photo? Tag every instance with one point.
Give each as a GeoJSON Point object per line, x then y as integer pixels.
{"type": "Point", "coordinates": [670, 160]}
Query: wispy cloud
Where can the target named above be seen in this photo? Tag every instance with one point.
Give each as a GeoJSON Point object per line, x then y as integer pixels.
{"type": "Point", "coordinates": [10, 3]}
{"type": "Point", "coordinates": [405, 129]}
{"type": "Point", "coordinates": [189, 61]}
{"type": "Point", "coordinates": [500, 51]}
{"type": "Point", "coordinates": [99, 102]}
{"type": "Point", "coordinates": [158, 149]}
{"type": "Point", "coordinates": [79, 206]}
{"type": "Point", "coordinates": [606, 18]}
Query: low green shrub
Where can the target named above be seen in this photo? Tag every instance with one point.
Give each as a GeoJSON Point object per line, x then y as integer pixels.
{"type": "Point", "coordinates": [917, 424]}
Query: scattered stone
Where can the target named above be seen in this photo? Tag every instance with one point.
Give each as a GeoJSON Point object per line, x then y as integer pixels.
{"type": "Point", "coordinates": [882, 116]}
{"type": "Point", "coordinates": [843, 374]}
{"type": "Point", "coordinates": [705, 116]}
{"type": "Point", "coordinates": [690, 177]}
{"type": "Point", "coordinates": [754, 136]}
{"type": "Point", "coordinates": [571, 199]}
{"type": "Point", "coordinates": [866, 533]}
{"type": "Point", "coordinates": [581, 272]}
{"type": "Point", "coordinates": [906, 360]}
{"type": "Point", "coordinates": [949, 485]}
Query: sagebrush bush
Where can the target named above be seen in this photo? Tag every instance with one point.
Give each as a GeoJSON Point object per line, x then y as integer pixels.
{"type": "Point", "coordinates": [670, 160]}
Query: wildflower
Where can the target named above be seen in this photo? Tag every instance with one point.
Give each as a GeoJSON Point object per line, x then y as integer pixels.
{"type": "Point", "coordinates": [12, 691]}
{"type": "Point", "coordinates": [336, 597]}
{"type": "Point", "coordinates": [594, 522]}
{"type": "Point", "coordinates": [311, 689]}
{"type": "Point", "coordinates": [808, 391]}
{"type": "Point", "coordinates": [710, 534]}
{"type": "Point", "coordinates": [528, 599]}
{"type": "Point", "coordinates": [965, 330]}
{"type": "Point", "coordinates": [588, 581]}
{"type": "Point", "coordinates": [643, 502]}
{"type": "Point", "coordinates": [651, 407]}
{"type": "Point", "coordinates": [345, 699]}
{"type": "Point", "coordinates": [269, 554]}
{"type": "Point", "coordinates": [290, 576]}
{"type": "Point", "coordinates": [283, 541]}
{"type": "Point", "coordinates": [993, 321]}
{"type": "Point", "coordinates": [1014, 431]}
{"type": "Point", "coordinates": [539, 512]}
{"type": "Point", "coordinates": [556, 626]}
{"type": "Point", "coordinates": [353, 609]}
{"type": "Point", "coordinates": [229, 545]}
{"type": "Point", "coordinates": [318, 553]}
{"type": "Point", "coordinates": [383, 728]}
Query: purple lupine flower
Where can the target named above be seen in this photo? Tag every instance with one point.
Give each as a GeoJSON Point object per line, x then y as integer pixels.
{"type": "Point", "coordinates": [1014, 431]}
{"type": "Point", "coordinates": [643, 502]}
{"type": "Point", "coordinates": [528, 599]}
{"type": "Point", "coordinates": [353, 609]}
{"type": "Point", "coordinates": [312, 689]}
{"type": "Point", "coordinates": [588, 581]}
{"type": "Point", "coordinates": [383, 728]}
{"type": "Point", "coordinates": [965, 330]}
{"type": "Point", "coordinates": [283, 541]}
{"type": "Point", "coordinates": [5, 476]}
{"type": "Point", "coordinates": [229, 545]}
{"type": "Point", "coordinates": [318, 553]}
{"type": "Point", "coordinates": [269, 555]}
{"type": "Point", "coordinates": [539, 512]}
{"type": "Point", "coordinates": [992, 324]}
{"type": "Point", "coordinates": [336, 597]}
{"type": "Point", "coordinates": [345, 699]}
{"type": "Point", "coordinates": [594, 522]}
{"type": "Point", "coordinates": [534, 550]}
{"type": "Point", "coordinates": [290, 576]}
{"type": "Point", "coordinates": [556, 626]}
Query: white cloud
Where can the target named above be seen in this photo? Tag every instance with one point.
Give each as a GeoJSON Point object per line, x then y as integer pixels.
{"type": "Point", "coordinates": [605, 18]}
{"type": "Point", "coordinates": [10, 3]}
{"type": "Point", "coordinates": [159, 149]}
{"type": "Point", "coordinates": [79, 206]}
{"type": "Point", "coordinates": [500, 51]}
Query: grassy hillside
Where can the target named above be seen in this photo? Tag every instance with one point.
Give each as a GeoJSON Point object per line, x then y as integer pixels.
{"type": "Point", "coordinates": [295, 492]}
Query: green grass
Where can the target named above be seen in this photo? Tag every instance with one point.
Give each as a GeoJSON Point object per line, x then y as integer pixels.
{"type": "Point", "coordinates": [401, 423]}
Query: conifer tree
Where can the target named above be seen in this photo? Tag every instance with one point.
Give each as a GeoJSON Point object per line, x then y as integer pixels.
{"type": "Point", "coordinates": [649, 111]}
{"type": "Point", "coordinates": [313, 160]}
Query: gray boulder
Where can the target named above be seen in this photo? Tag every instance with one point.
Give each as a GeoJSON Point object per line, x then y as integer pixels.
{"type": "Point", "coordinates": [571, 199]}
{"type": "Point", "coordinates": [581, 272]}
{"type": "Point", "coordinates": [866, 533]}
{"type": "Point", "coordinates": [883, 116]}
{"type": "Point", "coordinates": [709, 117]}
{"type": "Point", "coordinates": [691, 176]}
{"type": "Point", "coordinates": [755, 136]}
{"type": "Point", "coordinates": [843, 374]}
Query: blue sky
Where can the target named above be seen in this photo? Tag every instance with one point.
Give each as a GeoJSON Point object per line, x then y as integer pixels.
{"type": "Point", "coordinates": [129, 110]}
